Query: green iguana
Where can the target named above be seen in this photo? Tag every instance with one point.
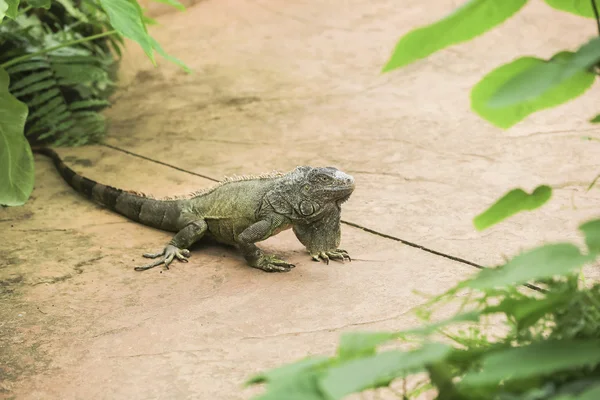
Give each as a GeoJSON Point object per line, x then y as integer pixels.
{"type": "Point", "coordinates": [238, 211]}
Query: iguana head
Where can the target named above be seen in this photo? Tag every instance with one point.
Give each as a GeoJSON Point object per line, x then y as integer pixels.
{"type": "Point", "coordinates": [326, 184]}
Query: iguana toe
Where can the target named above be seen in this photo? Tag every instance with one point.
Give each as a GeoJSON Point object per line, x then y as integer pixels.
{"type": "Point", "coordinates": [325, 256]}
{"type": "Point", "coordinates": [273, 264]}
{"type": "Point", "coordinates": [165, 257]}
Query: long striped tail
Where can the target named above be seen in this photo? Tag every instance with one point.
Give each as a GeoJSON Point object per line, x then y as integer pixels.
{"type": "Point", "coordinates": [161, 214]}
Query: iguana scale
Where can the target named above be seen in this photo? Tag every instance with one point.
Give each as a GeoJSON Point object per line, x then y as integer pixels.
{"type": "Point", "coordinates": [238, 211]}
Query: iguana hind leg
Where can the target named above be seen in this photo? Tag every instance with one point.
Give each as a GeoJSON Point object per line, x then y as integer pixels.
{"type": "Point", "coordinates": [254, 256]}
{"type": "Point", "coordinates": [177, 247]}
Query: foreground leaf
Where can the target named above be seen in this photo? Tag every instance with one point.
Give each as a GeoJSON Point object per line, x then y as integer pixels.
{"type": "Point", "coordinates": [354, 344]}
{"type": "Point", "coordinates": [39, 3]}
{"type": "Point", "coordinates": [591, 230]}
{"type": "Point", "coordinates": [468, 21]}
{"type": "Point", "coordinates": [11, 9]}
{"type": "Point", "coordinates": [542, 262]}
{"type": "Point", "coordinates": [515, 201]}
{"type": "Point", "coordinates": [537, 359]}
{"type": "Point", "coordinates": [582, 8]}
{"type": "Point", "coordinates": [169, 57]}
{"type": "Point", "coordinates": [596, 119]}
{"type": "Point", "coordinates": [303, 386]}
{"type": "Point", "coordinates": [126, 17]}
{"type": "Point", "coordinates": [287, 371]}
{"type": "Point", "coordinates": [532, 83]}
{"type": "Point", "coordinates": [506, 117]}
{"type": "Point", "coordinates": [16, 160]}
{"type": "Point", "coordinates": [379, 370]}
{"type": "Point", "coordinates": [172, 3]}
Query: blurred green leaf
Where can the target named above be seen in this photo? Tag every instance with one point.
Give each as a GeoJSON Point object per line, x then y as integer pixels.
{"type": "Point", "coordinates": [591, 230]}
{"type": "Point", "coordinates": [303, 386]}
{"type": "Point", "coordinates": [168, 57]}
{"type": "Point", "coordinates": [537, 359]}
{"type": "Point", "coordinates": [596, 119]}
{"type": "Point", "coordinates": [508, 116]}
{"type": "Point", "coordinates": [513, 202]}
{"type": "Point", "coordinates": [541, 262]}
{"type": "Point", "coordinates": [466, 22]}
{"type": "Point", "coordinates": [172, 3]}
{"type": "Point", "coordinates": [39, 3]}
{"type": "Point", "coordinates": [16, 160]}
{"type": "Point", "coordinates": [9, 8]}
{"type": "Point", "coordinates": [582, 8]}
{"type": "Point", "coordinates": [533, 82]}
{"type": "Point", "coordinates": [287, 371]}
{"type": "Point", "coordinates": [3, 9]}
{"type": "Point", "coordinates": [126, 17]}
{"type": "Point", "coordinates": [378, 370]}
{"type": "Point", "coordinates": [360, 344]}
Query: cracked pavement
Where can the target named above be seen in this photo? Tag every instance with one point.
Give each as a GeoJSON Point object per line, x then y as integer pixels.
{"type": "Point", "coordinates": [278, 85]}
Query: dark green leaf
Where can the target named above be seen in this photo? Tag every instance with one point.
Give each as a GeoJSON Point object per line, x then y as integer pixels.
{"type": "Point", "coordinates": [541, 262]}
{"type": "Point", "coordinates": [468, 21]}
{"type": "Point", "coordinates": [591, 230]}
{"type": "Point", "coordinates": [506, 117]}
{"type": "Point", "coordinates": [379, 370]}
{"type": "Point", "coordinates": [30, 79]}
{"type": "Point", "coordinates": [38, 87]}
{"type": "Point", "coordinates": [533, 82]}
{"type": "Point", "coordinates": [537, 359]}
{"type": "Point", "coordinates": [172, 3]}
{"type": "Point", "coordinates": [582, 8]}
{"type": "Point", "coordinates": [596, 119]}
{"type": "Point", "coordinates": [16, 160]}
{"type": "Point", "coordinates": [27, 66]}
{"type": "Point", "coordinates": [353, 344]}
{"type": "Point", "coordinates": [42, 97]}
{"type": "Point", "coordinates": [73, 10]}
{"type": "Point", "coordinates": [126, 17]}
{"type": "Point", "coordinates": [288, 371]}
{"type": "Point", "coordinates": [515, 201]}
{"type": "Point", "coordinates": [47, 108]}
{"type": "Point", "coordinates": [39, 4]}
{"type": "Point", "coordinates": [71, 74]}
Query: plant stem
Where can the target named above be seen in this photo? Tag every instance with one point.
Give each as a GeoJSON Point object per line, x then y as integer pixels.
{"type": "Point", "coordinates": [595, 8]}
{"type": "Point", "coordinates": [49, 49]}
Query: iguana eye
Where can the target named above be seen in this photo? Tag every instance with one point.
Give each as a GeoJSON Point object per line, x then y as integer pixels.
{"type": "Point", "coordinates": [324, 178]}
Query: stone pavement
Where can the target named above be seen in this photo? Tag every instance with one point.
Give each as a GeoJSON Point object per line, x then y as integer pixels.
{"type": "Point", "coordinates": [280, 84]}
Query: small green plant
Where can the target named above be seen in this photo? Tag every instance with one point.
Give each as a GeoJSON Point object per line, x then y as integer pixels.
{"type": "Point", "coordinates": [57, 70]}
{"type": "Point", "coordinates": [549, 347]}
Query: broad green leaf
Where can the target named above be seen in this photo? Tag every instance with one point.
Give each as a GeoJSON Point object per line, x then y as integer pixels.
{"type": "Point", "coordinates": [537, 359]}
{"type": "Point", "coordinates": [591, 230]}
{"type": "Point", "coordinates": [515, 201]}
{"type": "Point", "coordinates": [126, 17]}
{"type": "Point", "coordinates": [3, 9]}
{"type": "Point", "coordinates": [303, 386]}
{"type": "Point", "coordinates": [13, 8]}
{"type": "Point", "coordinates": [39, 4]}
{"type": "Point", "coordinates": [172, 3]}
{"type": "Point", "coordinates": [288, 370]}
{"type": "Point", "coordinates": [16, 160]}
{"type": "Point", "coordinates": [537, 80]}
{"type": "Point", "coordinates": [596, 119]}
{"type": "Point", "coordinates": [582, 8]}
{"type": "Point", "coordinates": [541, 262]}
{"type": "Point", "coordinates": [466, 22]}
{"type": "Point", "coordinates": [168, 57]}
{"type": "Point", "coordinates": [590, 393]}
{"type": "Point", "coordinates": [506, 117]}
{"type": "Point", "coordinates": [353, 344]}
{"type": "Point", "coordinates": [472, 316]}
{"type": "Point", "coordinates": [379, 370]}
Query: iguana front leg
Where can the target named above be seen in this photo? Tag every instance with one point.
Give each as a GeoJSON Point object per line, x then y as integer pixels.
{"type": "Point", "coordinates": [254, 256]}
{"type": "Point", "coordinates": [322, 238]}
{"type": "Point", "coordinates": [177, 247]}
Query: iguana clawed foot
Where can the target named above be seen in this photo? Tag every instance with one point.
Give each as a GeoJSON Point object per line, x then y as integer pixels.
{"type": "Point", "coordinates": [272, 264]}
{"type": "Point", "coordinates": [325, 256]}
{"type": "Point", "coordinates": [166, 256]}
